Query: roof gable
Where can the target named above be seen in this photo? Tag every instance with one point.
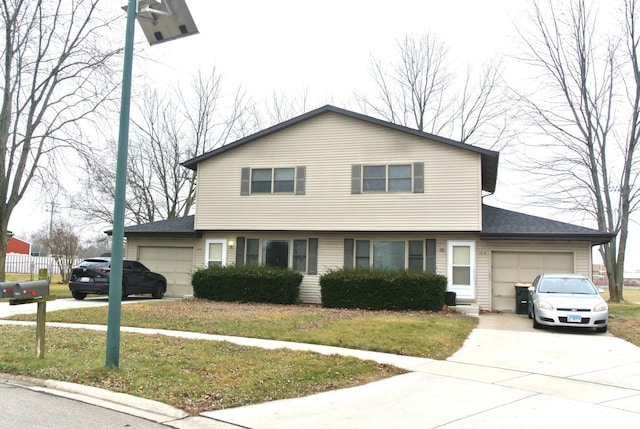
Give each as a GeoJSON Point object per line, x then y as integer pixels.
{"type": "Point", "coordinates": [489, 158]}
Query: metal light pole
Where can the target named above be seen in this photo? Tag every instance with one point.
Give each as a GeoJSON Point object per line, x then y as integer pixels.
{"type": "Point", "coordinates": [117, 243]}
{"type": "Point", "coordinates": [161, 21]}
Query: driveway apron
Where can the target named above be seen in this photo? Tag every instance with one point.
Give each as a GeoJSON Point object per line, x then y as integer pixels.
{"type": "Point", "coordinates": [506, 375]}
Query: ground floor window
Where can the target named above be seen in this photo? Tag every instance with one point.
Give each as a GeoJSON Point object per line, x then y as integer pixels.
{"type": "Point", "coordinates": [415, 255]}
{"type": "Point", "coordinates": [389, 255]}
{"type": "Point", "coordinates": [297, 254]}
{"type": "Point", "coordinates": [275, 253]}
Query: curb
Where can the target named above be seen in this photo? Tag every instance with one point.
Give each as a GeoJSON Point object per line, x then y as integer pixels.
{"type": "Point", "coordinates": [130, 404]}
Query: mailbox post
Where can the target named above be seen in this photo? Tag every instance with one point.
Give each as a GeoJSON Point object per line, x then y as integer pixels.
{"type": "Point", "coordinates": [27, 293]}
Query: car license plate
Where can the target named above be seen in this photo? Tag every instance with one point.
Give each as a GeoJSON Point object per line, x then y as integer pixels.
{"type": "Point", "coordinates": [84, 279]}
{"type": "Point", "coordinates": [574, 318]}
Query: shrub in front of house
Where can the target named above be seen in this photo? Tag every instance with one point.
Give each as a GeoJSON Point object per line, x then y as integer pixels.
{"type": "Point", "coordinates": [383, 290]}
{"type": "Point", "coordinates": [247, 284]}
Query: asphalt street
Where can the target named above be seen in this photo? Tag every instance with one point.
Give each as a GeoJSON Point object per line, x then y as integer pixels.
{"type": "Point", "coordinates": [24, 407]}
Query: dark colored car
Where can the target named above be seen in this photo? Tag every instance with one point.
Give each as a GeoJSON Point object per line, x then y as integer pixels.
{"type": "Point", "coordinates": [92, 277]}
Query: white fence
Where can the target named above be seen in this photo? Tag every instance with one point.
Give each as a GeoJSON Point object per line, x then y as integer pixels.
{"type": "Point", "coordinates": [27, 264]}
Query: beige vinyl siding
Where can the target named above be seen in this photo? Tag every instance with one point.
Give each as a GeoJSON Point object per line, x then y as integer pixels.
{"type": "Point", "coordinates": [328, 146]}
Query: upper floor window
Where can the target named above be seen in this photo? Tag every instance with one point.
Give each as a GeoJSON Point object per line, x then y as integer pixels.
{"type": "Point", "coordinates": [269, 180]}
{"type": "Point", "coordinates": [387, 178]}
{"type": "Point", "coordinates": [273, 180]}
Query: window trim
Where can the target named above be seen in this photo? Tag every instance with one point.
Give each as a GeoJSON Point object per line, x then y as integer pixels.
{"type": "Point", "coordinates": [352, 256]}
{"type": "Point", "coordinates": [416, 178]}
{"type": "Point", "coordinates": [298, 181]}
{"type": "Point", "coordinates": [310, 255]}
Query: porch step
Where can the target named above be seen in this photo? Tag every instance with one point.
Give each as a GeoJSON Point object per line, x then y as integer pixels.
{"type": "Point", "coordinates": [471, 309]}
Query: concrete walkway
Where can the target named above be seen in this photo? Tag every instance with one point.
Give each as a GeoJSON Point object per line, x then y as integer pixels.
{"type": "Point", "coordinates": [505, 375]}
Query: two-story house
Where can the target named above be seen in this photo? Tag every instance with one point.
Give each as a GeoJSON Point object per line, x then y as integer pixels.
{"type": "Point", "coordinates": [333, 188]}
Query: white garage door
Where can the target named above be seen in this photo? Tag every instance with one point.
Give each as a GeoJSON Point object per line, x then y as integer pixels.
{"type": "Point", "coordinates": [175, 263]}
{"type": "Point", "coordinates": [509, 268]}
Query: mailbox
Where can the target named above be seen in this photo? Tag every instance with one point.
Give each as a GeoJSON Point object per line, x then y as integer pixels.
{"type": "Point", "coordinates": [7, 289]}
{"type": "Point", "coordinates": [30, 290]}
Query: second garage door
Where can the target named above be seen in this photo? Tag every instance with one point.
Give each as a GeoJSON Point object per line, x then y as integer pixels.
{"type": "Point", "coordinates": [175, 263]}
{"type": "Point", "coordinates": [509, 268]}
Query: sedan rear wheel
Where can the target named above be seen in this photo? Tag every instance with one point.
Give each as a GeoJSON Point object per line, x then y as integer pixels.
{"type": "Point", "coordinates": [79, 295]}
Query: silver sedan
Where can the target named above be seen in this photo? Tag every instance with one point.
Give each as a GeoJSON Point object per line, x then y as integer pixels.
{"type": "Point", "coordinates": [567, 300]}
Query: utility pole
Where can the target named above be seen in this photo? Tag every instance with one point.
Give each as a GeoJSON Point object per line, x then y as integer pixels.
{"type": "Point", "coordinates": [52, 211]}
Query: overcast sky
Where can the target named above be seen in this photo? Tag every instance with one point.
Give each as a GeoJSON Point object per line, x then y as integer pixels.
{"type": "Point", "coordinates": [326, 47]}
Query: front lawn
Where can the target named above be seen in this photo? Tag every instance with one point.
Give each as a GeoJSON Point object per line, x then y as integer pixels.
{"type": "Point", "coordinates": [198, 375]}
{"type": "Point", "coordinates": [415, 333]}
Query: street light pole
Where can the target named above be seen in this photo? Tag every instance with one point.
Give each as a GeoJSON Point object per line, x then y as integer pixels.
{"type": "Point", "coordinates": [117, 243]}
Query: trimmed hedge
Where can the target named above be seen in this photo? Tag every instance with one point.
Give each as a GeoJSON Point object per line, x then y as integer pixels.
{"type": "Point", "coordinates": [383, 290]}
{"type": "Point", "coordinates": [247, 284]}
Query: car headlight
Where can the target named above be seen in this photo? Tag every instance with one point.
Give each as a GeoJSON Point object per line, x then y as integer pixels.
{"type": "Point", "coordinates": [601, 307]}
{"type": "Point", "coordinates": [543, 305]}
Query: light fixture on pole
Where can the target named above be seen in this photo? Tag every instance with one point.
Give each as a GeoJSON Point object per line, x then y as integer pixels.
{"type": "Point", "coordinates": [161, 21]}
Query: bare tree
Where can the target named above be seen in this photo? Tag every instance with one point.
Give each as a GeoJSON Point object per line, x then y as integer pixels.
{"type": "Point", "coordinates": [587, 112]}
{"type": "Point", "coordinates": [281, 107]}
{"type": "Point", "coordinates": [419, 91]}
{"type": "Point", "coordinates": [98, 245]}
{"type": "Point", "coordinates": [63, 244]}
{"type": "Point", "coordinates": [167, 129]}
{"type": "Point", "coordinates": [54, 77]}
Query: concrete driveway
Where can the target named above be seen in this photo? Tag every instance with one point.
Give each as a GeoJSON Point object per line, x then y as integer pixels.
{"type": "Point", "coordinates": [506, 375]}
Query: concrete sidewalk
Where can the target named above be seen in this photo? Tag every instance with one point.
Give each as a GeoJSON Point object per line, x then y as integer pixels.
{"type": "Point", "coordinates": [506, 374]}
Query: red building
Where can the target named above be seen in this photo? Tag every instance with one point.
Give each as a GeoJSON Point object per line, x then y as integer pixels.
{"type": "Point", "coordinates": [15, 245]}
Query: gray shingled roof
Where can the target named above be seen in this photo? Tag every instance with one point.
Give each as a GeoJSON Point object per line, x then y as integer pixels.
{"type": "Point", "coordinates": [489, 157]}
{"type": "Point", "coordinates": [501, 224]}
{"type": "Point", "coordinates": [179, 227]}
{"type": "Point", "coordinates": [497, 224]}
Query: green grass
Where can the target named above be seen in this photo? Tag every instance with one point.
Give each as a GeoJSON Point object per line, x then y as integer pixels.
{"type": "Point", "coordinates": [192, 375]}
{"type": "Point", "coordinates": [624, 321]}
{"type": "Point", "coordinates": [422, 334]}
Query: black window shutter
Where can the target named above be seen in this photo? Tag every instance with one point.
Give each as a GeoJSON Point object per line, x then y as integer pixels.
{"type": "Point", "coordinates": [418, 177]}
{"type": "Point", "coordinates": [239, 251]}
{"type": "Point", "coordinates": [245, 181]}
{"type": "Point", "coordinates": [348, 253]}
{"type": "Point", "coordinates": [431, 255]}
{"type": "Point", "coordinates": [301, 172]}
{"type": "Point", "coordinates": [356, 174]}
{"type": "Point", "coordinates": [313, 257]}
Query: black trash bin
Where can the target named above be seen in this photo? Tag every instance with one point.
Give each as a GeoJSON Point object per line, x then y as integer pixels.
{"type": "Point", "coordinates": [522, 298]}
{"type": "Point", "coordinates": [450, 299]}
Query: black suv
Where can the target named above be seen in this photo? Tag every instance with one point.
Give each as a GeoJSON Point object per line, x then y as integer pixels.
{"type": "Point", "coordinates": [92, 276]}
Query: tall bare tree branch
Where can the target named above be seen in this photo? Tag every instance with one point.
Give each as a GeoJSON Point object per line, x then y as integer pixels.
{"type": "Point", "coordinates": [587, 117]}
{"type": "Point", "coordinates": [55, 75]}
